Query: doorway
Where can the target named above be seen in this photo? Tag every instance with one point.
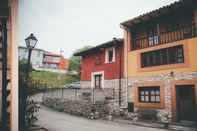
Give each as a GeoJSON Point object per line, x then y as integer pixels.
{"type": "Point", "coordinates": [186, 105]}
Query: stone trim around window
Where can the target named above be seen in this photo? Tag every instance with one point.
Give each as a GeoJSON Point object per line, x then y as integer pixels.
{"type": "Point", "coordinates": [163, 67]}
{"type": "Point", "coordinates": [93, 78]}
{"type": "Point", "coordinates": [139, 104]}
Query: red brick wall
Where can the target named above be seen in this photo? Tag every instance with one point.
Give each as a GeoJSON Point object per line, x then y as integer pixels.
{"type": "Point", "coordinates": [111, 70]}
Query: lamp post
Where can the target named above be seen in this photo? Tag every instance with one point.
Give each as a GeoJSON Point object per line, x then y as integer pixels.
{"type": "Point", "coordinates": [31, 42]}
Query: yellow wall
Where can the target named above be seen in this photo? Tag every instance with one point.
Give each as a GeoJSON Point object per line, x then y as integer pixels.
{"type": "Point", "coordinates": [192, 56]}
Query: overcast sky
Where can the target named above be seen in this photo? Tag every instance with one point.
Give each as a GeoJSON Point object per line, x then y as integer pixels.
{"type": "Point", "coordinates": [72, 24]}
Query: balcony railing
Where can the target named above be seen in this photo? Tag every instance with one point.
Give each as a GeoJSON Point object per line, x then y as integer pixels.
{"type": "Point", "coordinates": [182, 33]}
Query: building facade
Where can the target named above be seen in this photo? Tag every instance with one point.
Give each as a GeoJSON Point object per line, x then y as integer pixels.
{"type": "Point", "coordinates": [44, 60]}
{"type": "Point", "coordinates": [102, 67]}
{"type": "Point", "coordinates": [54, 62]}
{"type": "Point", "coordinates": [8, 65]}
{"type": "Point", "coordinates": [36, 56]}
{"type": "Point", "coordinates": [160, 60]}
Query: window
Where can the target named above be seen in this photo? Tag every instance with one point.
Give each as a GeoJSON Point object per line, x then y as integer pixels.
{"type": "Point", "coordinates": [98, 79]}
{"type": "Point", "coordinates": [164, 56]}
{"type": "Point", "coordinates": [153, 38]}
{"type": "Point", "coordinates": [149, 94]}
{"type": "Point", "coordinates": [110, 55]}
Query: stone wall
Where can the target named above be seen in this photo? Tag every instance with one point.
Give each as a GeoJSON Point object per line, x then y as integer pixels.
{"type": "Point", "coordinates": [81, 108]}
{"type": "Point", "coordinates": [85, 84]}
{"type": "Point", "coordinates": [167, 79]}
{"type": "Point", "coordinates": [113, 84]}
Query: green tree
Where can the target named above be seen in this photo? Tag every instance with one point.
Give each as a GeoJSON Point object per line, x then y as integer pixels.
{"type": "Point", "coordinates": [74, 61]}
{"type": "Point", "coordinates": [32, 107]}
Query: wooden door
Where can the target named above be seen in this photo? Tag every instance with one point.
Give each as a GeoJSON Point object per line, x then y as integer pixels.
{"type": "Point", "coordinates": [186, 103]}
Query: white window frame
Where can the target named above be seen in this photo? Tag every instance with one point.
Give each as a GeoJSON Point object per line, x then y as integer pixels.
{"type": "Point", "coordinates": [93, 79]}
{"type": "Point", "coordinates": [107, 55]}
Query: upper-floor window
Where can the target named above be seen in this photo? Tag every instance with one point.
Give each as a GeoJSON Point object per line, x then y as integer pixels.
{"type": "Point", "coordinates": [110, 55]}
{"type": "Point", "coordinates": [171, 55]}
{"type": "Point", "coordinates": [153, 38]}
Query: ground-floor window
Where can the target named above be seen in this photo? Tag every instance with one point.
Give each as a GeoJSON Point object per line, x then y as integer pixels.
{"type": "Point", "coordinates": [98, 81]}
{"type": "Point", "coordinates": [149, 94]}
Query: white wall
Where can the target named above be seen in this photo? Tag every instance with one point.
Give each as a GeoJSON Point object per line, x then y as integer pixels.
{"type": "Point", "coordinates": [36, 56]}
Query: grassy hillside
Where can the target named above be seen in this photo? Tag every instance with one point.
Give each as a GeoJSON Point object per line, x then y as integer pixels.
{"type": "Point", "coordinates": [52, 79]}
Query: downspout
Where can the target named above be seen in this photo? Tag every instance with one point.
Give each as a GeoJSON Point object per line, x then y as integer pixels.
{"type": "Point", "coordinates": [120, 70]}
{"type": "Point", "coordinates": [120, 76]}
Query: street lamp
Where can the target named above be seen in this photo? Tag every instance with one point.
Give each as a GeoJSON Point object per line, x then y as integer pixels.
{"type": "Point", "coordinates": [31, 42]}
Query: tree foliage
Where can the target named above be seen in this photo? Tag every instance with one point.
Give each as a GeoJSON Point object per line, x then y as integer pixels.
{"type": "Point", "coordinates": [32, 107]}
{"type": "Point", "coordinates": [74, 61]}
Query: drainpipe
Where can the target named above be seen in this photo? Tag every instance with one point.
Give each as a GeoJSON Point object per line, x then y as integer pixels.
{"type": "Point", "coordinates": [120, 76]}
{"type": "Point", "coordinates": [120, 71]}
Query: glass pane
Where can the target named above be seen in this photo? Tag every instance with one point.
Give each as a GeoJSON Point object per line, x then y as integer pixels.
{"type": "Point", "coordinates": [146, 98]}
{"type": "Point", "coordinates": [151, 41]}
{"type": "Point", "coordinates": [157, 99]}
{"type": "Point", "coordinates": [146, 92]}
{"type": "Point", "coordinates": [153, 99]}
{"type": "Point", "coordinates": [152, 92]}
{"type": "Point", "coordinates": [156, 39]}
{"type": "Point", "coordinates": [142, 98]}
{"type": "Point", "coordinates": [142, 92]}
{"type": "Point", "coordinates": [157, 92]}
{"type": "Point", "coordinates": [110, 55]}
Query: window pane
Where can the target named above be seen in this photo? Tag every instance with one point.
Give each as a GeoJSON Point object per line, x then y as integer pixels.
{"type": "Point", "coordinates": [110, 55]}
{"type": "Point", "coordinates": [142, 98]}
{"type": "Point", "coordinates": [151, 41]}
{"type": "Point", "coordinates": [157, 92]}
{"type": "Point", "coordinates": [146, 92]}
{"type": "Point", "coordinates": [157, 99]}
{"type": "Point", "coordinates": [142, 93]}
{"type": "Point", "coordinates": [147, 98]}
{"type": "Point", "coordinates": [164, 56]}
{"type": "Point", "coordinates": [156, 40]}
{"type": "Point", "coordinates": [153, 99]}
{"type": "Point", "coordinates": [152, 92]}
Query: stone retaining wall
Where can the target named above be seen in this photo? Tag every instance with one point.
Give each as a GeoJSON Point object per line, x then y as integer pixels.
{"type": "Point", "coordinates": [113, 84]}
{"type": "Point", "coordinates": [81, 108]}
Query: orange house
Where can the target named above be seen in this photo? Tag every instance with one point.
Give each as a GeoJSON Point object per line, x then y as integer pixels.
{"type": "Point", "coordinates": [8, 65]}
{"type": "Point", "coordinates": [160, 60]}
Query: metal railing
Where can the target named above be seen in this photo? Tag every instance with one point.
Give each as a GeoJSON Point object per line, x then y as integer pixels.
{"type": "Point", "coordinates": [87, 94]}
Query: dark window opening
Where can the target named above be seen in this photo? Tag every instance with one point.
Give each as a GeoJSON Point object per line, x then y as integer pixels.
{"type": "Point", "coordinates": [110, 55]}
{"type": "Point", "coordinates": [149, 94]}
{"type": "Point", "coordinates": [98, 79]}
{"type": "Point", "coordinates": [164, 56]}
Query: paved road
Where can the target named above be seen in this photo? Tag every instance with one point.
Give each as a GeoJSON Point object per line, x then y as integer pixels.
{"type": "Point", "coordinates": [56, 121]}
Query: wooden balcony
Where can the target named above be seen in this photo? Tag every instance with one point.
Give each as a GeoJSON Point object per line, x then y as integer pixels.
{"type": "Point", "coordinates": [181, 33]}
